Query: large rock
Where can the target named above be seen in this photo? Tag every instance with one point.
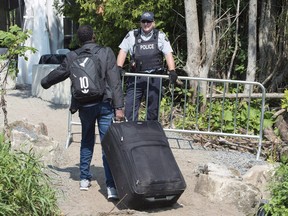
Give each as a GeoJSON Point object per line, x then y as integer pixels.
{"type": "Point", "coordinates": [220, 184]}
{"type": "Point", "coordinates": [259, 176]}
{"type": "Point", "coordinates": [281, 124]}
{"type": "Point", "coordinates": [26, 137]}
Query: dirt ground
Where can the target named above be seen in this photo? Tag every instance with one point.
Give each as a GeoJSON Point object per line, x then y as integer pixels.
{"type": "Point", "coordinates": [72, 201]}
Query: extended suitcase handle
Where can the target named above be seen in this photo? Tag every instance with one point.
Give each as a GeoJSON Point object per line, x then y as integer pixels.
{"type": "Point", "coordinates": [117, 121]}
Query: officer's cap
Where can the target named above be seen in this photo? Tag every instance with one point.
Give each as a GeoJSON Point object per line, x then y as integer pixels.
{"type": "Point", "coordinates": [149, 16]}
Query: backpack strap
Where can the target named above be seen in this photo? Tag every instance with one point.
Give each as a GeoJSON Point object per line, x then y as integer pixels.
{"type": "Point", "coordinates": [94, 50]}
{"type": "Point", "coordinates": [79, 50]}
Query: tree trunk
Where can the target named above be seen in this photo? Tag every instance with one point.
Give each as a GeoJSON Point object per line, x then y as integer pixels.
{"type": "Point", "coordinates": [272, 37]}
{"type": "Point", "coordinates": [252, 44]}
{"type": "Point", "coordinates": [193, 40]}
{"type": "Point", "coordinates": [200, 55]}
{"type": "Point", "coordinates": [209, 43]}
{"type": "Point", "coordinates": [4, 72]}
{"type": "Point", "coordinates": [209, 37]}
{"type": "Point", "coordinates": [193, 44]}
{"type": "Point", "coordinates": [267, 49]}
{"type": "Point", "coordinates": [236, 40]}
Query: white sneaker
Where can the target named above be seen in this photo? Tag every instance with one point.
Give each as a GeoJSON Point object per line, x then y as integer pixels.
{"type": "Point", "coordinates": [85, 184]}
{"type": "Point", "coordinates": [112, 193]}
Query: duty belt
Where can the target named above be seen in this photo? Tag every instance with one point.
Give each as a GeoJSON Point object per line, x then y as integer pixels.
{"type": "Point", "coordinates": [162, 71]}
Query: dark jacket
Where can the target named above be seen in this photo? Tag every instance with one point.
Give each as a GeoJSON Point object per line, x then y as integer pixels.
{"type": "Point", "coordinates": [109, 68]}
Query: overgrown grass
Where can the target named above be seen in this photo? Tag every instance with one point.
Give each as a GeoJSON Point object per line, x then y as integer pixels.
{"type": "Point", "coordinates": [278, 203]}
{"type": "Point", "coordinates": [24, 188]}
{"type": "Point", "coordinates": [217, 115]}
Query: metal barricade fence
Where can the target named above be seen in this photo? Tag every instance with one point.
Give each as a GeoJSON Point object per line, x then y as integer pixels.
{"type": "Point", "coordinates": [220, 111]}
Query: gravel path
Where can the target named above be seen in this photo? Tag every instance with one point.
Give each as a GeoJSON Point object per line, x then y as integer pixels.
{"type": "Point", "coordinates": [241, 161]}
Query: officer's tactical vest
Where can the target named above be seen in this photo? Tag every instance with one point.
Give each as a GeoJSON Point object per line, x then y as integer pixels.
{"type": "Point", "coordinates": [146, 55]}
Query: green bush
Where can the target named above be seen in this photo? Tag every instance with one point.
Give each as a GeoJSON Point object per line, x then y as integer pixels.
{"type": "Point", "coordinates": [226, 116]}
{"type": "Point", "coordinates": [24, 188]}
{"type": "Point", "coordinates": [278, 187]}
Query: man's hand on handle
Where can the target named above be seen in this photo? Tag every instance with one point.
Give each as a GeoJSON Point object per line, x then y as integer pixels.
{"type": "Point", "coordinates": [119, 114]}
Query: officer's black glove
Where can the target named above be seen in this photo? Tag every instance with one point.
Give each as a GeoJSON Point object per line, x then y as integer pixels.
{"type": "Point", "coordinates": [173, 76]}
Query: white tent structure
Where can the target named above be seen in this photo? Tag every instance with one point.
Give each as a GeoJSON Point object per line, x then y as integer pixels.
{"type": "Point", "coordinates": [47, 35]}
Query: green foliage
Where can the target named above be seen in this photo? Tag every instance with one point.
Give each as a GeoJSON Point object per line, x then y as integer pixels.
{"type": "Point", "coordinates": [284, 101]}
{"type": "Point", "coordinates": [278, 204]}
{"type": "Point", "coordinates": [24, 187]}
{"type": "Point", "coordinates": [240, 66]}
{"type": "Point", "coordinates": [126, 14]}
{"type": "Point", "coordinates": [114, 18]}
{"type": "Point", "coordinates": [13, 40]}
{"type": "Point", "coordinates": [217, 115]}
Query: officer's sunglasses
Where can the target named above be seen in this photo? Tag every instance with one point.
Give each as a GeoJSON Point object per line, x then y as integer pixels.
{"type": "Point", "coordinates": [146, 21]}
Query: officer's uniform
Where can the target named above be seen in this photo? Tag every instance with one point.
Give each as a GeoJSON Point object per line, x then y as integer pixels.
{"type": "Point", "coordinates": [146, 51]}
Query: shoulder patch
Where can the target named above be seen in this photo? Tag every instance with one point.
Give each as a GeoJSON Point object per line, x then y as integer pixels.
{"type": "Point", "coordinates": [163, 35]}
{"type": "Point", "coordinates": [127, 35]}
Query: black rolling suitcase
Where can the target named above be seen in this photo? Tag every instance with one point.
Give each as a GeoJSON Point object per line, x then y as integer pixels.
{"type": "Point", "coordinates": [142, 164]}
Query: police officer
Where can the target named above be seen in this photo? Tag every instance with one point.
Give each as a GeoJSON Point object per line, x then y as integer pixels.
{"type": "Point", "coordinates": [146, 47]}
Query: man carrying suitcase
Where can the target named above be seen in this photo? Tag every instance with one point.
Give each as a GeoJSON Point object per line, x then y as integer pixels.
{"type": "Point", "coordinates": [99, 106]}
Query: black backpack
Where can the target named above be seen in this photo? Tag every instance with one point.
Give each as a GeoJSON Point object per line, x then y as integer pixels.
{"type": "Point", "coordinates": [88, 84]}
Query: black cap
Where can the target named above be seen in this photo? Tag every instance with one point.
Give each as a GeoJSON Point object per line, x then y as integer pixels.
{"type": "Point", "coordinates": [149, 16]}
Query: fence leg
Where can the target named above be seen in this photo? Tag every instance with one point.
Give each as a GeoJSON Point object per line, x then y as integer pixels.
{"type": "Point", "coordinates": [69, 136]}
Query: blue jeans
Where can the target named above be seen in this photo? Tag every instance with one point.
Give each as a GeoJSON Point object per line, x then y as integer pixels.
{"type": "Point", "coordinates": [103, 113]}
